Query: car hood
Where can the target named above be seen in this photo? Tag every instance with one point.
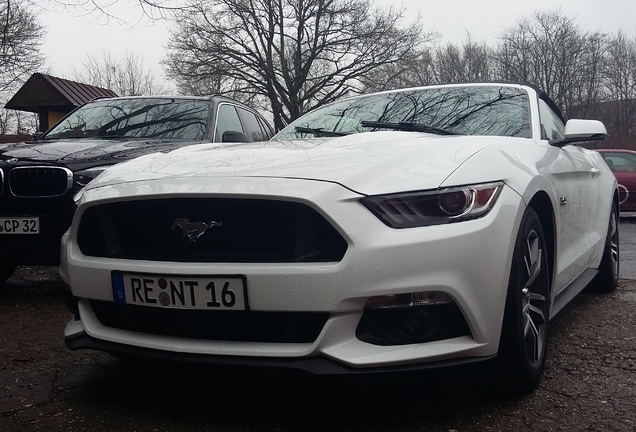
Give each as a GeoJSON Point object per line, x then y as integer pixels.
{"type": "Point", "coordinates": [83, 152]}
{"type": "Point", "coordinates": [367, 163]}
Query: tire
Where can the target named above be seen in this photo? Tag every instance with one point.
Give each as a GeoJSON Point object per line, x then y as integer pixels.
{"type": "Point", "coordinates": [6, 271]}
{"type": "Point", "coordinates": [606, 280]}
{"type": "Point", "coordinates": [524, 334]}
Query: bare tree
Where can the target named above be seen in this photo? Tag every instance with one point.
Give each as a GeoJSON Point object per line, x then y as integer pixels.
{"type": "Point", "coordinates": [126, 77]}
{"type": "Point", "coordinates": [297, 54]}
{"type": "Point", "coordinates": [19, 43]}
{"type": "Point", "coordinates": [619, 73]}
{"type": "Point", "coordinates": [416, 69]}
{"type": "Point", "coordinates": [467, 62]}
{"type": "Point", "coordinates": [553, 52]}
{"type": "Point", "coordinates": [18, 123]}
{"type": "Point", "coordinates": [120, 12]}
{"type": "Point", "coordinates": [619, 80]}
{"type": "Point", "coordinates": [19, 57]}
{"type": "Point", "coordinates": [450, 63]}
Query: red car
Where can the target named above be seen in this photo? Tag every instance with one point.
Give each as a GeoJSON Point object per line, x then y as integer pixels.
{"type": "Point", "coordinates": [623, 163]}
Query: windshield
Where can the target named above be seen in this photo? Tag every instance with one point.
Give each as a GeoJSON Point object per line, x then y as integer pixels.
{"type": "Point", "coordinates": [159, 118]}
{"type": "Point", "coordinates": [468, 110]}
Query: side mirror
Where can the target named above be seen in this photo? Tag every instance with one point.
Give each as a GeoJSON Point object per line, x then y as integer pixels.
{"type": "Point", "coordinates": [233, 136]}
{"type": "Point", "coordinates": [577, 130]}
{"type": "Point", "coordinates": [36, 136]}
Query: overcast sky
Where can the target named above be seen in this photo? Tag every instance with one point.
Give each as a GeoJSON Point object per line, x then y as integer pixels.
{"type": "Point", "coordinates": [71, 37]}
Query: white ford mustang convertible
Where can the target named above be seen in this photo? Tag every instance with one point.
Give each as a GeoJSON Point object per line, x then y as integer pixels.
{"type": "Point", "coordinates": [409, 229]}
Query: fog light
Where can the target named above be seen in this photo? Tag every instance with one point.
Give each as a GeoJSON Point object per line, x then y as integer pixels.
{"type": "Point", "coordinates": [402, 319]}
{"type": "Point", "coordinates": [414, 324]}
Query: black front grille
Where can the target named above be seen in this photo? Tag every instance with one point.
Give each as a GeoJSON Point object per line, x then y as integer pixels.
{"type": "Point", "coordinates": [40, 181]}
{"type": "Point", "coordinates": [231, 230]}
{"type": "Point", "coordinates": [244, 326]}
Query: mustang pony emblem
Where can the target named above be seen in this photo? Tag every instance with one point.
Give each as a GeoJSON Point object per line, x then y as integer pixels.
{"type": "Point", "coordinates": [193, 230]}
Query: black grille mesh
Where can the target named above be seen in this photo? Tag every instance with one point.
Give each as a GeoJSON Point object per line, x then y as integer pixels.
{"type": "Point", "coordinates": [250, 230]}
{"type": "Point", "coordinates": [40, 181]}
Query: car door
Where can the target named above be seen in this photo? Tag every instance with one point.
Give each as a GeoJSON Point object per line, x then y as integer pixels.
{"type": "Point", "coordinates": [574, 175]}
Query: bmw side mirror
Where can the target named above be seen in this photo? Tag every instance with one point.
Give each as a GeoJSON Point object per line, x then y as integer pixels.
{"type": "Point", "coordinates": [36, 136]}
{"type": "Point", "coordinates": [233, 136]}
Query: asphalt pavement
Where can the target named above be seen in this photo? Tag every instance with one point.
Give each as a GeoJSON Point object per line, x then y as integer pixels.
{"type": "Point", "coordinates": [627, 238]}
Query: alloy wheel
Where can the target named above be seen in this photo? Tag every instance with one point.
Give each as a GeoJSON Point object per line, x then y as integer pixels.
{"type": "Point", "coordinates": [534, 300]}
{"type": "Point", "coordinates": [614, 251]}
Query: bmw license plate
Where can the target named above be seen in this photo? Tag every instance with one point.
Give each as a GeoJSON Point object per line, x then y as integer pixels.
{"type": "Point", "coordinates": [181, 292]}
{"type": "Point", "coordinates": [20, 225]}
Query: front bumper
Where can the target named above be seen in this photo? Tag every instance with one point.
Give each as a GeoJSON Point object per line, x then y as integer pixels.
{"type": "Point", "coordinates": [78, 339]}
{"type": "Point", "coordinates": [467, 261]}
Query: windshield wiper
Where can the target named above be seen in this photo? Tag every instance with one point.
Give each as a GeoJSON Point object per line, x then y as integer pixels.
{"type": "Point", "coordinates": [110, 137]}
{"type": "Point", "coordinates": [319, 132]}
{"type": "Point", "coordinates": [407, 126]}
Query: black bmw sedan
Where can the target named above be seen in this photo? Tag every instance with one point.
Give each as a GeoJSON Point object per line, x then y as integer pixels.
{"type": "Point", "coordinates": [38, 179]}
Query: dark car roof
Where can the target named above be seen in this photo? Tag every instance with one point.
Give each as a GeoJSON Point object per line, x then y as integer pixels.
{"type": "Point", "coordinates": [210, 97]}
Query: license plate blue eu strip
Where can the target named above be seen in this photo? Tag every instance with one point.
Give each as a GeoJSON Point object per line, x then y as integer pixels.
{"type": "Point", "coordinates": [119, 291]}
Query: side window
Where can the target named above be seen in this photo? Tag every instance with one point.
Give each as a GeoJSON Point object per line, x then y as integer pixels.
{"type": "Point", "coordinates": [551, 125]}
{"type": "Point", "coordinates": [227, 119]}
{"type": "Point", "coordinates": [267, 129]}
{"type": "Point", "coordinates": [253, 128]}
{"type": "Point", "coordinates": [620, 162]}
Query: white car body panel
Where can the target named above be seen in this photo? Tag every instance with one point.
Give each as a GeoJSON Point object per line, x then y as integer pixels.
{"type": "Point", "coordinates": [364, 163]}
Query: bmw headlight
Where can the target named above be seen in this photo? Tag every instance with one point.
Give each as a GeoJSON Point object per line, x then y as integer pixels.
{"type": "Point", "coordinates": [423, 208]}
{"type": "Point", "coordinates": [84, 177]}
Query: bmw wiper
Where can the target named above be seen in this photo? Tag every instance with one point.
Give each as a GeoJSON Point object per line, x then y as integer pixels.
{"type": "Point", "coordinates": [319, 132]}
{"type": "Point", "coordinates": [407, 126]}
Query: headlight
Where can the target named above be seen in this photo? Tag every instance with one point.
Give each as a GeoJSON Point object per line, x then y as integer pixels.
{"type": "Point", "coordinates": [414, 209]}
{"type": "Point", "coordinates": [84, 177]}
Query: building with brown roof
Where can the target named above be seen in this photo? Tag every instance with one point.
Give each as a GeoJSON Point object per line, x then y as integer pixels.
{"type": "Point", "coordinates": [52, 98]}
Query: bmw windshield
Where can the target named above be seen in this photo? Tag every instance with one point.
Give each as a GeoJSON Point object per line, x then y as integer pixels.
{"type": "Point", "coordinates": [462, 110]}
{"type": "Point", "coordinates": [156, 118]}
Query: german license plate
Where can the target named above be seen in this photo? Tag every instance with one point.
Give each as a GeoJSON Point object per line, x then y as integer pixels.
{"type": "Point", "coordinates": [181, 292]}
{"type": "Point", "coordinates": [24, 225]}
